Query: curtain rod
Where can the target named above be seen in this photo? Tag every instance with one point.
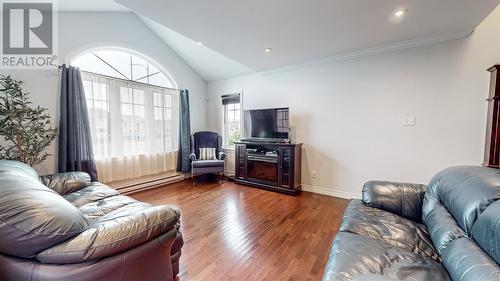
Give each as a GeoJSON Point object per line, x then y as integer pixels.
{"type": "Point", "coordinates": [126, 80]}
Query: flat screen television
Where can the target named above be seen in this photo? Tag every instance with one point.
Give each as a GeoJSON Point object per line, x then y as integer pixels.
{"type": "Point", "coordinates": [266, 125]}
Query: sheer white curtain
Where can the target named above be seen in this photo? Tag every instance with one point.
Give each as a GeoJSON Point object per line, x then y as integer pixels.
{"type": "Point", "coordinates": [134, 127]}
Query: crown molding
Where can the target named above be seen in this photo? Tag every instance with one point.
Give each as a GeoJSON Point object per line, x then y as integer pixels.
{"type": "Point", "coordinates": [382, 49]}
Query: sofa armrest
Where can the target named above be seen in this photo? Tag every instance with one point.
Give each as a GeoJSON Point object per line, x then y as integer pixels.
{"type": "Point", "coordinates": [404, 199]}
{"type": "Point", "coordinates": [222, 156]}
{"type": "Point", "coordinates": [64, 183]}
{"type": "Point", "coordinates": [192, 157]}
{"type": "Point", "coordinates": [114, 235]}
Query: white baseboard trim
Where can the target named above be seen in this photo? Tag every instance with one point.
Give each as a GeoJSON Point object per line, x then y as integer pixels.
{"type": "Point", "coordinates": [330, 192]}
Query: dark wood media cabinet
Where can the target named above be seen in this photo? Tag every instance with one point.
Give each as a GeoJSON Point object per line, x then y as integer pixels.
{"type": "Point", "coordinates": [272, 166]}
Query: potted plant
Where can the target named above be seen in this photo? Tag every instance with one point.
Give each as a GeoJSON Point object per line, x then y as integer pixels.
{"type": "Point", "coordinates": [26, 130]}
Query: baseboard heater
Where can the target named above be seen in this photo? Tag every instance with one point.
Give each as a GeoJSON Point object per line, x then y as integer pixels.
{"type": "Point", "coordinates": [147, 184]}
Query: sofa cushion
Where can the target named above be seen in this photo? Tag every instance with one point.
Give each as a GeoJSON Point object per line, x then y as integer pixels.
{"type": "Point", "coordinates": [353, 256]}
{"type": "Point", "coordinates": [32, 216]}
{"type": "Point", "coordinates": [208, 163]}
{"type": "Point", "coordinates": [486, 231]}
{"type": "Point", "coordinates": [94, 192]}
{"type": "Point", "coordinates": [465, 261]}
{"type": "Point", "coordinates": [98, 209]}
{"type": "Point", "coordinates": [113, 233]}
{"type": "Point", "coordinates": [465, 191]}
{"type": "Point", "coordinates": [388, 227]}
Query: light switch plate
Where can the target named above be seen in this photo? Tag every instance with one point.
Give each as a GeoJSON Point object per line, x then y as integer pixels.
{"type": "Point", "coordinates": [409, 121]}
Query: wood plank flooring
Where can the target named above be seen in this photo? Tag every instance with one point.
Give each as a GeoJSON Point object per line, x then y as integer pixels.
{"type": "Point", "coordinates": [235, 232]}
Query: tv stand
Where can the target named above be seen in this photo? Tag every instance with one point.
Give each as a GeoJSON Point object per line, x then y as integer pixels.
{"type": "Point", "coordinates": [269, 165]}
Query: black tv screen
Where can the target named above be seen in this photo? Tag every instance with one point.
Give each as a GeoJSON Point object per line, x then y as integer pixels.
{"type": "Point", "coordinates": [265, 124]}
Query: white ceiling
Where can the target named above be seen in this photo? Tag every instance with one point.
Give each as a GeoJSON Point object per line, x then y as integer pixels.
{"type": "Point", "coordinates": [235, 33]}
{"type": "Point", "coordinates": [209, 64]}
{"type": "Point", "coordinates": [299, 30]}
{"type": "Point", "coordinates": [90, 6]}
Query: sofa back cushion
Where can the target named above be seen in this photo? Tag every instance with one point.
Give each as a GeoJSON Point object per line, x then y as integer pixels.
{"type": "Point", "coordinates": [32, 216]}
{"type": "Point", "coordinates": [18, 168]}
{"type": "Point", "coordinates": [205, 139]}
{"type": "Point", "coordinates": [486, 231]}
{"type": "Point", "coordinates": [465, 191]}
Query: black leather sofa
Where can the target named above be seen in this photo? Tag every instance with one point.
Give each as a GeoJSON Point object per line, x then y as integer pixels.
{"type": "Point", "coordinates": [448, 230]}
{"type": "Point", "coordinates": [63, 227]}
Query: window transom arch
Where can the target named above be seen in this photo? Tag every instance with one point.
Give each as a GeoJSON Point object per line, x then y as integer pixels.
{"type": "Point", "coordinates": [123, 63]}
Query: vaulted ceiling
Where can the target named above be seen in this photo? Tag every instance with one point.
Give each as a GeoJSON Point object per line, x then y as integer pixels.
{"type": "Point", "coordinates": [209, 64]}
{"type": "Point", "coordinates": [235, 34]}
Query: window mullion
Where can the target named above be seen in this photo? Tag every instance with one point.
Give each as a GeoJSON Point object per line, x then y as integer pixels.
{"type": "Point", "coordinates": [116, 119]}
{"type": "Point", "coordinates": [226, 136]}
{"type": "Point", "coordinates": [164, 117]}
{"type": "Point", "coordinates": [149, 118]}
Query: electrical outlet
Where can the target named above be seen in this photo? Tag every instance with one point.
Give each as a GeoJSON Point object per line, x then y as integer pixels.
{"type": "Point", "coordinates": [314, 174]}
{"type": "Point", "coordinates": [409, 121]}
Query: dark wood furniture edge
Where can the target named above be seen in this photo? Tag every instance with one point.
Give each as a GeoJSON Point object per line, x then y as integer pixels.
{"type": "Point", "coordinates": [295, 165]}
{"type": "Point", "coordinates": [267, 187]}
{"type": "Point", "coordinates": [492, 137]}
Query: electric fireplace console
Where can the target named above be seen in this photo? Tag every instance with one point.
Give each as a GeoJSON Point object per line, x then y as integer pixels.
{"type": "Point", "coordinates": [269, 165]}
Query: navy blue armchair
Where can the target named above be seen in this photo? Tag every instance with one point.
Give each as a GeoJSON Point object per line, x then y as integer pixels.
{"type": "Point", "coordinates": [205, 139]}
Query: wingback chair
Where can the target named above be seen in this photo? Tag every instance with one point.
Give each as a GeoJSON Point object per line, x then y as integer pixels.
{"type": "Point", "coordinates": [206, 139]}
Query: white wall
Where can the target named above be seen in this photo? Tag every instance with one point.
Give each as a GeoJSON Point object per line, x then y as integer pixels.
{"type": "Point", "coordinates": [348, 114]}
{"type": "Point", "coordinates": [80, 31]}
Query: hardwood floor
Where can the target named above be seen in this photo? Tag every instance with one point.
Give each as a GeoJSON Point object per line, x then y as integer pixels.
{"type": "Point", "coordinates": [235, 232]}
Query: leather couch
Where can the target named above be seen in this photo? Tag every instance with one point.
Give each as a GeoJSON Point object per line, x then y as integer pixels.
{"type": "Point", "coordinates": [447, 230]}
{"type": "Point", "coordinates": [64, 227]}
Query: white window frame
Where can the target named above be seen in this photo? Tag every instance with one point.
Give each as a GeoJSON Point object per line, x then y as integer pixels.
{"type": "Point", "coordinates": [225, 136]}
{"type": "Point", "coordinates": [115, 103]}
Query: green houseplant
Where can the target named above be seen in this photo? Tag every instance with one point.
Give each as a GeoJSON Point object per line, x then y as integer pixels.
{"type": "Point", "coordinates": [26, 130]}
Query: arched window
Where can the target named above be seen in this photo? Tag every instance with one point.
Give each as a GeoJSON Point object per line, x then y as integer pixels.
{"type": "Point", "coordinates": [123, 64]}
{"type": "Point", "coordinates": [133, 113]}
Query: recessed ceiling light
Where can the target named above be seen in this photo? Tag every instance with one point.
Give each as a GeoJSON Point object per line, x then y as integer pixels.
{"type": "Point", "coordinates": [400, 13]}
{"type": "Point", "coordinates": [268, 50]}
{"type": "Point", "coordinates": [200, 43]}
